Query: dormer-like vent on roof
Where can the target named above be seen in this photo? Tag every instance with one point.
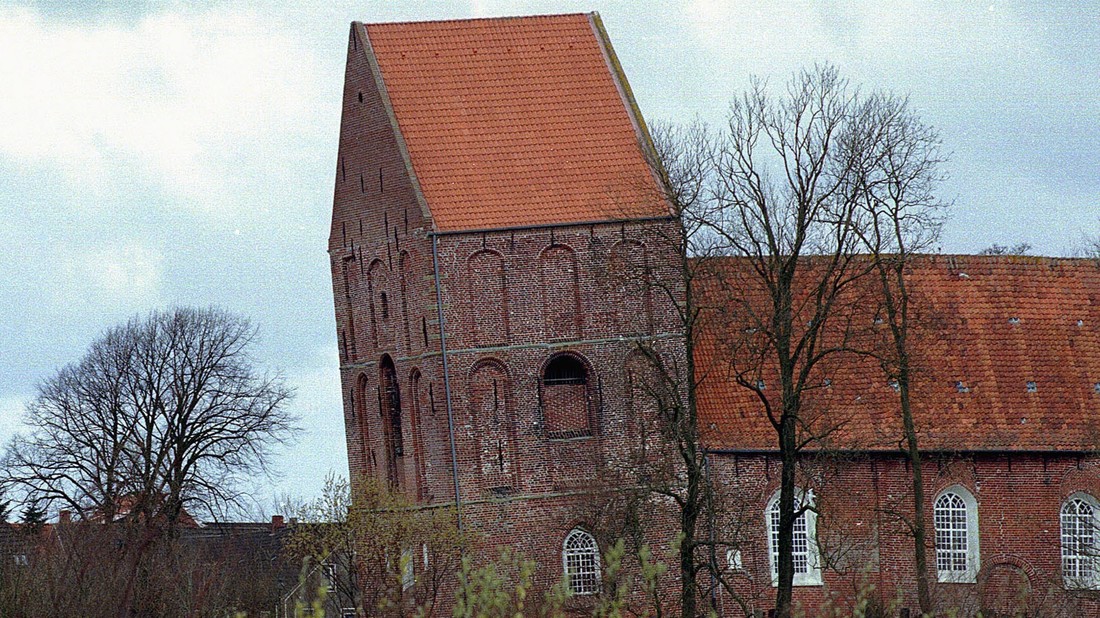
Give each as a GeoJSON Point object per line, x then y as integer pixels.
{"type": "Point", "coordinates": [1096, 388]}
{"type": "Point", "coordinates": [962, 387]}
{"type": "Point", "coordinates": [1080, 323]}
{"type": "Point", "coordinates": [760, 385]}
{"type": "Point", "coordinates": [1015, 321]}
{"type": "Point", "coordinates": [1032, 387]}
{"type": "Point", "coordinates": [894, 385]}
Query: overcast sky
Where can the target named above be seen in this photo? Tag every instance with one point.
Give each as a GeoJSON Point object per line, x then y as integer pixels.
{"type": "Point", "coordinates": [160, 153]}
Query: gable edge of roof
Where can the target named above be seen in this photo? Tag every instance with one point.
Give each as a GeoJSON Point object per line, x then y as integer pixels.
{"type": "Point", "coordinates": [618, 75]}
{"type": "Point", "coordinates": [360, 29]}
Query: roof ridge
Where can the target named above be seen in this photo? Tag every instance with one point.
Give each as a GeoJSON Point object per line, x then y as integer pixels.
{"type": "Point", "coordinates": [476, 19]}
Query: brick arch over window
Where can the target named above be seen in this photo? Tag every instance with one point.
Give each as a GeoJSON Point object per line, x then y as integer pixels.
{"type": "Point", "coordinates": [381, 305]}
{"type": "Point", "coordinates": [492, 419]}
{"type": "Point", "coordinates": [567, 389]}
{"type": "Point", "coordinates": [580, 557]}
{"type": "Point", "coordinates": [629, 284]}
{"type": "Point", "coordinates": [360, 398]}
{"type": "Point", "coordinates": [389, 398]}
{"type": "Point", "coordinates": [349, 270]}
{"type": "Point", "coordinates": [405, 276]}
{"type": "Point", "coordinates": [1080, 541]}
{"type": "Point", "coordinates": [560, 284]}
{"type": "Point", "coordinates": [643, 391]}
{"type": "Point", "coordinates": [416, 431]}
{"type": "Point", "coordinates": [488, 297]}
{"type": "Point", "coordinates": [955, 519]}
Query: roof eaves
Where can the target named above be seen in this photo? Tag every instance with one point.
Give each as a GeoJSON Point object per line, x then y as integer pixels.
{"type": "Point", "coordinates": [359, 29]}
{"type": "Point", "coordinates": [542, 226]}
{"type": "Point", "coordinates": [461, 20]}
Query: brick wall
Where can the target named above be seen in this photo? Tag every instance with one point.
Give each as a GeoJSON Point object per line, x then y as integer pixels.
{"type": "Point", "coordinates": [864, 541]}
{"type": "Point", "coordinates": [513, 300]}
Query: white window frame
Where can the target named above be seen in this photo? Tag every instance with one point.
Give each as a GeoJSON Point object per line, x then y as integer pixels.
{"type": "Point", "coordinates": [408, 575]}
{"type": "Point", "coordinates": [578, 548]}
{"type": "Point", "coordinates": [812, 575]}
{"type": "Point", "coordinates": [941, 525]}
{"type": "Point", "coordinates": [1090, 555]}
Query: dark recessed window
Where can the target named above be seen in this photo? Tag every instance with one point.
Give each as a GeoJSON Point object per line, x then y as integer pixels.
{"type": "Point", "coordinates": [566, 397]}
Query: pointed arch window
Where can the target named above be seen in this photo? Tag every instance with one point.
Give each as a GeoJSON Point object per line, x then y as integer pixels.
{"type": "Point", "coordinates": [390, 406]}
{"type": "Point", "coordinates": [580, 557]}
{"type": "Point", "coordinates": [359, 405]}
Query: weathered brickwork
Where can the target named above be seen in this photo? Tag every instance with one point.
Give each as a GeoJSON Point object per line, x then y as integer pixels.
{"type": "Point", "coordinates": [541, 325]}
{"type": "Point", "coordinates": [864, 501]}
{"type": "Point", "coordinates": [543, 393]}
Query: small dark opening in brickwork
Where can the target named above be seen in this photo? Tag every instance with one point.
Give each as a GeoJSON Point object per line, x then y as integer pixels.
{"type": "Point", "coordinates": [565, 370]}
{"type": "Point", "coordinates": [390, 400]}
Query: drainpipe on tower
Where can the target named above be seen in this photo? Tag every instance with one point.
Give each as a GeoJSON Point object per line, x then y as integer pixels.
{"type": "Point", "coordinates": [446, 377]}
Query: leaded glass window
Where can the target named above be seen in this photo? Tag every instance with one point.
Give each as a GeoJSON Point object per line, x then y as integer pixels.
{"type": "Point", "coordinates": [1079, 543]}
{"type": "Point", "coordinates": [581, 559]}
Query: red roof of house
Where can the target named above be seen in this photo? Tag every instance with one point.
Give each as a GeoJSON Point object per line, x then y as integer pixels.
{"type": "Point", "coordinates": [987, 327]}
{"type": "Point", "coordinates": [516, 121]}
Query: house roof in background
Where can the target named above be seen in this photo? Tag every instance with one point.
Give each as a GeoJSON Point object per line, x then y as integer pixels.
{"type": "Point", "coordinates": [519, 121]}
{"type": "Point", "coordinates": [1007, 359]}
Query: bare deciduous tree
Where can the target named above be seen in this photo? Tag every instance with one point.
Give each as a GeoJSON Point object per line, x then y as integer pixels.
{"type": "Point", "coordinates": [780, 199]}
{"type": "Point", "coordinates": [900, 216]}
{"type": "Point", "coordinates": [789, 175]}
{"type": "Point", "coordinates": [390, 557]}
{"type": "Point", "coordinates": [1022, 248]}
{"type": "Point", "coordinates": [165, 412]}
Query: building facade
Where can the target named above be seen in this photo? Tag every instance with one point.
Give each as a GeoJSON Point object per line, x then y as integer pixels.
{"type": "Point", "coordinates": [491, 184]}
{"type": "Point", "coordinates": [500, 252]}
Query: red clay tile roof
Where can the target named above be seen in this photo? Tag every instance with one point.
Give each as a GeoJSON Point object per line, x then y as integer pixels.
{"type": "Point", "coordinates": [515, 121]}
{"type": "Point", "coordinates": [994, 324]}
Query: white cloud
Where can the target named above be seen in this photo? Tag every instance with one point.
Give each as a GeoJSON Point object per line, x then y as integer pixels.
{"type": "Point", "coordinates": [11, 416]}
{"type": "Point", "coordinates": [181, 99]}
{"type": "Point", "coordinates": [124, 274]}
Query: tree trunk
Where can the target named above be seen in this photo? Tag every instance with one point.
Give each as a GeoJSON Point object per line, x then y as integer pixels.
{"type": "Point", "coordinates": [785, 582]}
{"type": "Point", "coordinates": [919, 541]}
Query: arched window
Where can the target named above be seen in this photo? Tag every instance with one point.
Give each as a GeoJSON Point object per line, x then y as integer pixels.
{"type": "Point", "coordinates": [566, 403]}
{"type": "Point", "coordinates": [390, 400]}
{"type": "Point", "coordinates": [359, 404]}
{"type": "Point", "coordinates": [1079, 542]}
{"type": "Point", "coordinates": [560, 287]}
{"type": "Point", "coordinates": [630, 288]}
{"type": "Point", "coordinates": [488, 297]}
{"type": "Point", "coordinates": [955, 514]}
{"type": "Point", "coordinates": [807, 563]}
{"type": "Point", "coordinates": [493, 424]}
{"type": "Point", "coordinates": [580, 556]}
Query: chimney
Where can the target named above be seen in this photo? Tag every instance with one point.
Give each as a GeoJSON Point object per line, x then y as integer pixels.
{"type": "Point", "coordinates": [65, 517]}
{"type": "Point", "coordinates": [276, 522]}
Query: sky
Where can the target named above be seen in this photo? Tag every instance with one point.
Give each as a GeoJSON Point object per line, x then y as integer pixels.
{"type": "Point", "coordinates": [155, 154]}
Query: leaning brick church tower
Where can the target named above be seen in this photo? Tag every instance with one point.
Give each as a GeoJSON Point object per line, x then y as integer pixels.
{"type": "Point", "coordinates": [493, 178]}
